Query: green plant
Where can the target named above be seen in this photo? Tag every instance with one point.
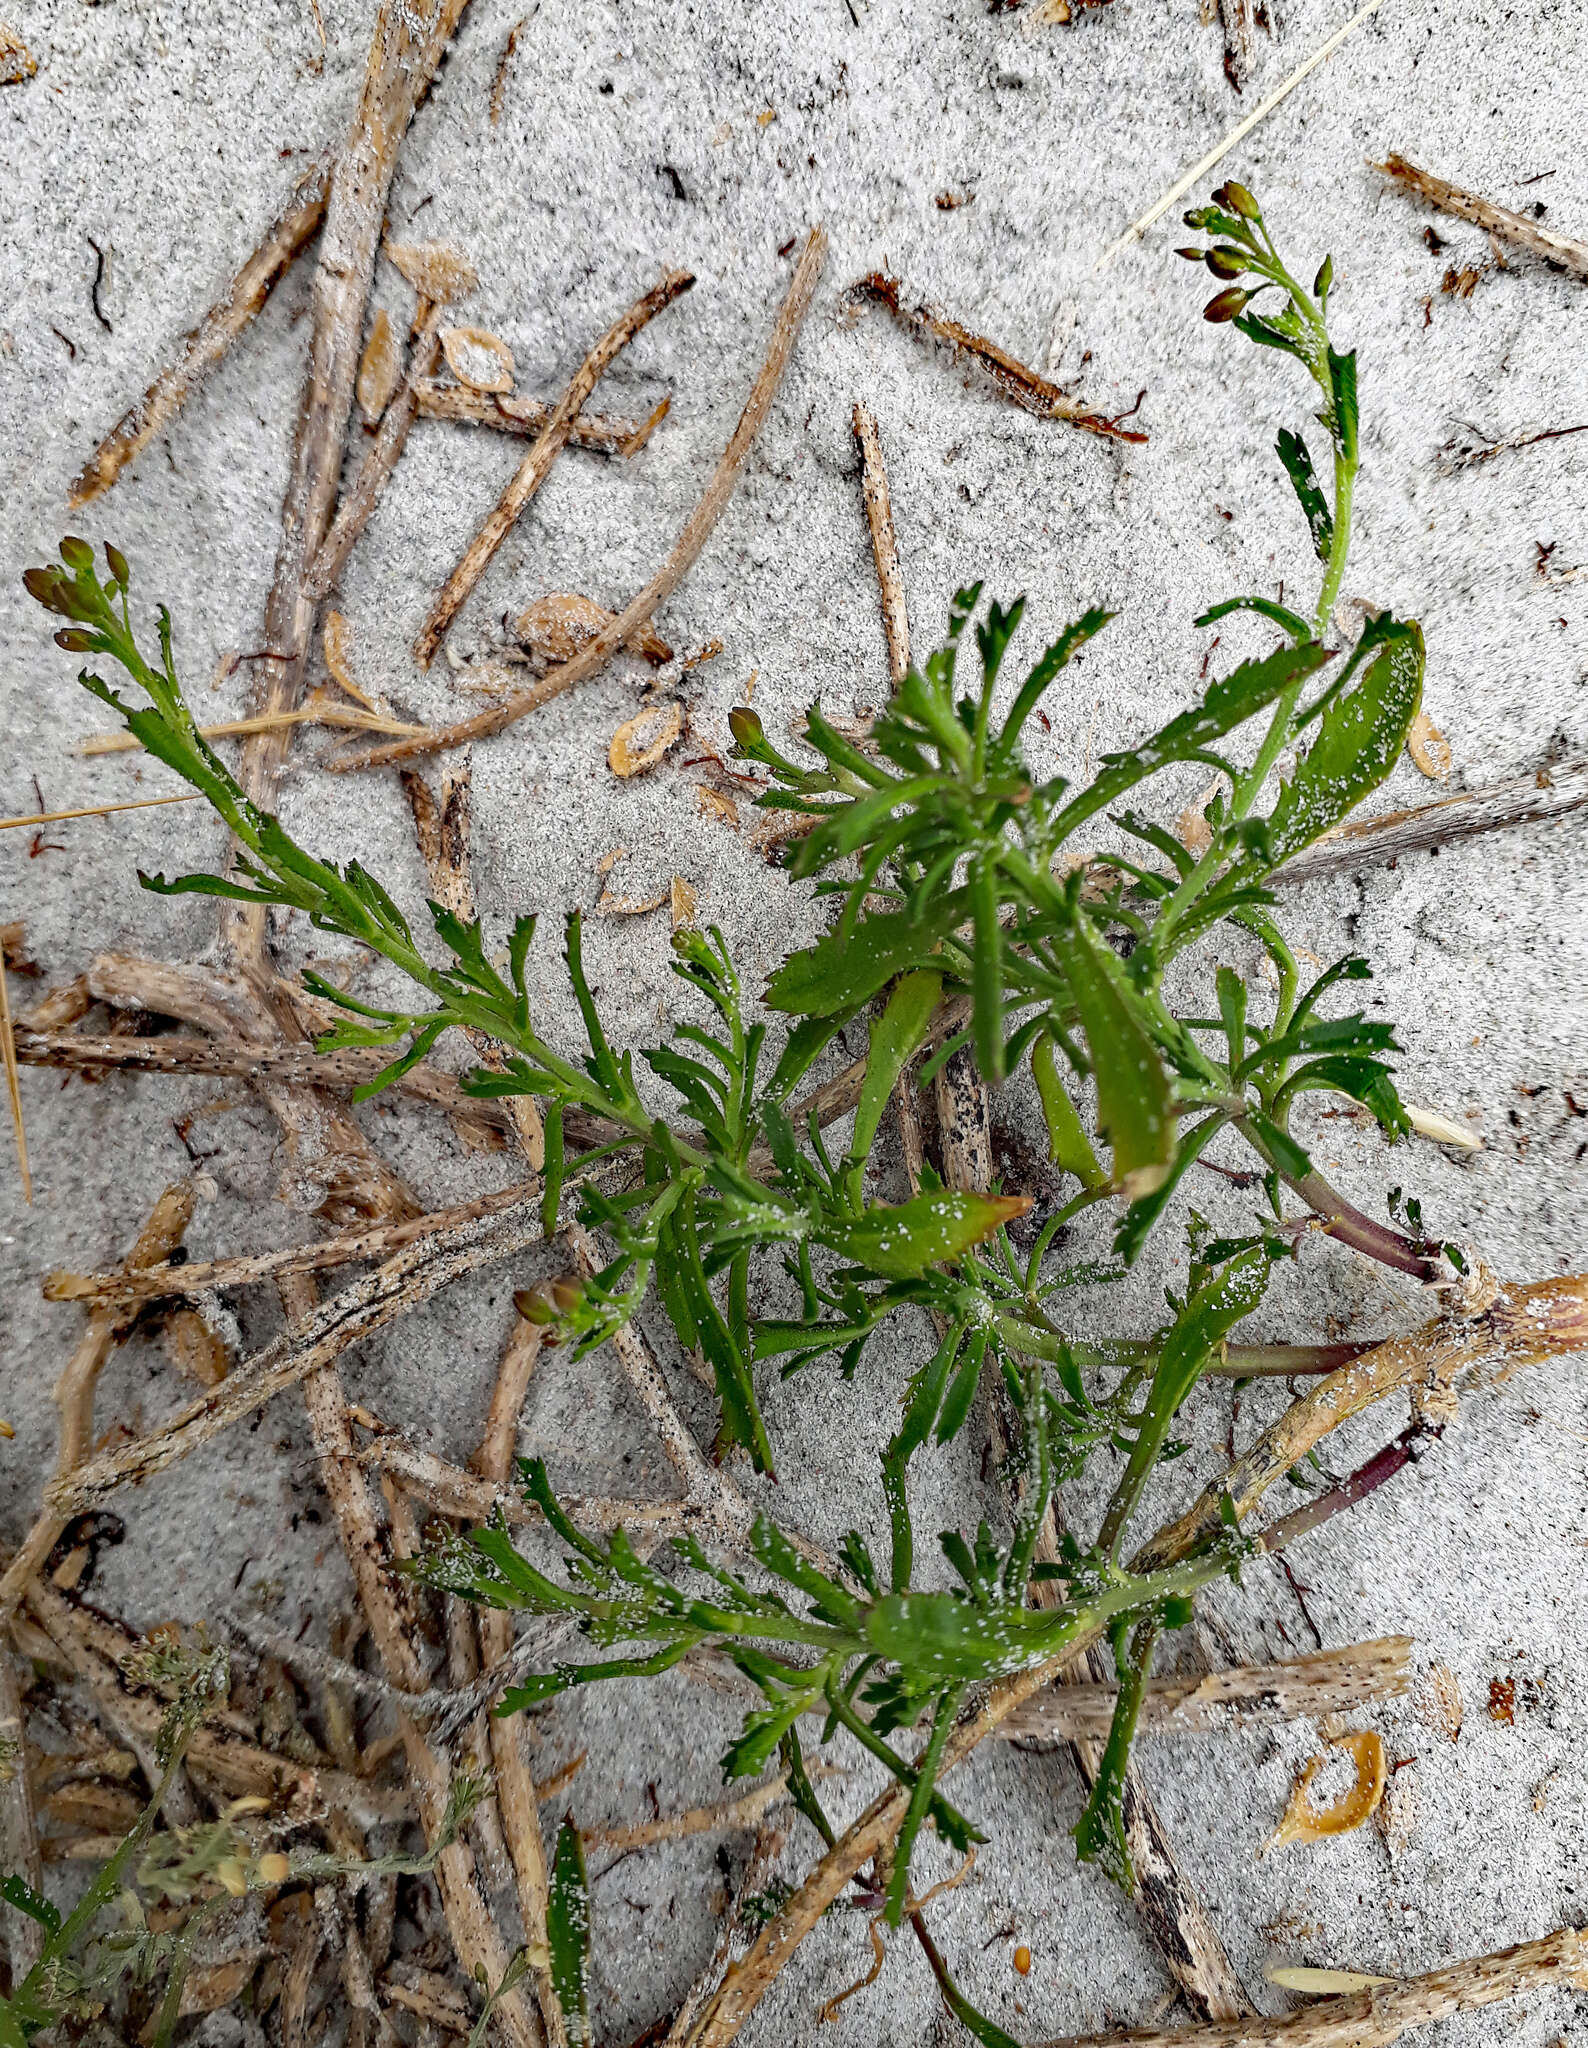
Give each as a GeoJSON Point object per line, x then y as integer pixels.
{"type": "Point", "coordinates": [957, 884]}
{"type": "Point", "coordinates": [204, 1867]}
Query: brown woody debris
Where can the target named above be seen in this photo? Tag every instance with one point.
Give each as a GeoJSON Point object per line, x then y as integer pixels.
{"type": "Point", "coordinates": [17, 62]}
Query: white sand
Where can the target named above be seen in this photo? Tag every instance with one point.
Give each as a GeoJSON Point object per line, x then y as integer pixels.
{"type": "Point", "coordinates": [161, 131]}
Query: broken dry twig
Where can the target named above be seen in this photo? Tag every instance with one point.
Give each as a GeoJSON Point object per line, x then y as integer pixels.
{"type": "Point", "coordinates": [697, 531]}
{"type": "Point", "coordinates": [536, 465]}
{"type": "Point", "coordinates": [204, 347]}
{"type": "Point", "coordinates": [1520, 228]}
{"type": "Point", "coordinates": [884, 541]}
{"type": "Point", "coordinates": [1016, 380]}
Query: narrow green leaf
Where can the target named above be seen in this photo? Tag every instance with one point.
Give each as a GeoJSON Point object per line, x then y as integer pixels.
{"type": "Point", "coordinates": [1134, 1112]}
{"type": "Point", "coordinates": [1293, 453]}
{"type": "Point", "coordinates": [1226, 704]}
{"type": "Point", "coordinates": [931, 1230]}
{"type": "Point", "coordinates": [896, 1037]}
{"type": "Point", "coordinates": [839, 972]}
{"type": "Point", "coordinates": [568, 1934]}
{"type": "Point", "coordinates": [1068, 1144]}
{"type": "Point", "coordinates": [987, 980]}
{"type": "Point", "coordinates": [1359, 742]}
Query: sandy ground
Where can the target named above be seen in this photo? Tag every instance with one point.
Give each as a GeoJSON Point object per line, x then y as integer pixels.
{"type": "Point", "coordinates": [637, 137]}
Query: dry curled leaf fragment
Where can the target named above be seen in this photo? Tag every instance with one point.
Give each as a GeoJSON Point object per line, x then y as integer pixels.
{"type": "Point", "coordinates": [482, 361]}
{"type": "Point", "coordinates": [1439, 1704]}
{"type": "Point", "coordinates": [17, 61]}
{"type": "Point", "coordinates": [684, 903]}
{"type": "Point", "coordinates": [712, 803]}
{"type": "Point", "coordinates": [563, 623]}
{"type": "Point", "coordinates": [379, 368]}
{"type": "Point", "coordinates": [1429, 748]}
{"type": "Point", "coordinates": [641, 741]}
{"type": "Point", "coordinates": [335, 639]}
{"type": "Point", "coordinates": [1305, 1822]}
{"type": "Point", "coordinates": [436, 272]}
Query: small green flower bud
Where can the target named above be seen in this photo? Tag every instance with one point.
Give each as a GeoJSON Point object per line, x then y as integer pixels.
{"type": "Point", "coordinates": [76, 554]}
{"type": "Point", "coordinates": [44, 585]}
{"type": "Point", "coordinates": [1238, 200]}
{"type": "Point", "coordinates": [76, 640]}
{"type": "Point", "coordinates": [118, 564]}
{"type": "Point", "coordinates": [1325, 278]}
{"type": "Point", "coordinates": [1225, 305]}
{"type": "Point", "coordinates": [1225, 262]}
{"type": "Point", "coordinates": [746, 728]}
{"type": "Point", "coordinates": [1191, 255]}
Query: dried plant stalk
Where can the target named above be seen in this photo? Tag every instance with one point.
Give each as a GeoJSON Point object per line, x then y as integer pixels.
{"type": "Point", "coordinates": [515, 1781]}
{"type": "Point", "coordinates": [516, 413]}
{"type": "Point", "coordinates": [536, 466]}
{"type": "Point", "coordinates": [127, 1288]}
{"type": "Point", "coordinates": [443, 835]}
{"type": "Point", "coordinates": [409, 40]}
{"type": "Point", "coordinates": [345, 718]}
{"type": "Point", "coordinates": [204, 347]}
{"type": "Point", "coordinates": [284, 1066]}
{"type": "Point", "coordinates": [1383, 2014]}
{"type": "Point", "coordinates": [1016, 380]}
{"type": "Point", "coordinates": [352, 514]}
{"type": "Point", "coordinates": [884, 541]}
{"type": "Point", "coordinates": [1522, 1325]}
{"type": "Point", "coordinates": [1249, 1696]}
{"type": "Point", "coordinates": [1553, 792]}
{"type": "Point", "coordinates": [740, 1812]}
{"type": "Point", "coordinates": [395, 1289]}
{"type": "Point", "coordinates": [685, 549]}
{"type": "Point", "coordinates": [74, 1390]}
{"type": "Point", "coordinates": [8, 1058]}
{"type": "Point", "coordinates": [1520, 228]}
{"type": "Point", "coordinates": [19, 1835]}
{"type": "Point", "coordinates": [142, 803]}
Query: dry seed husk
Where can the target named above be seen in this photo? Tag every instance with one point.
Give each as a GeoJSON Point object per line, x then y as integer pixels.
{"type": "Point", "coordinates": [482, 361]}
{"type": "Point", "coordinates": [436, 272]}
{"type": "Point", "coordinates": [559, 625]}
{"type": "Point", "coordinates": [1429, 748]}
{"type": "Point", "coordinates": [640, 742]}
{"type": "Point", "coordinates": [379, 368]}
{"type": "Point", "coordinates": [1304, 1822]}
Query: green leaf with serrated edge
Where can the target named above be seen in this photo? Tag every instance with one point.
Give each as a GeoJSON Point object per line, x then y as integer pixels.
{"type": "Point", "coordinates": [1359, 741]}
{"type": "Point", "coordinates": [1135, 1115]}
{"type": "Point", "coordinates": [896, 1037]}
{"type": "Point", "coordinates": [839, 972]}
{"type": "Point", "coordinates": [924, 1397]}
{"type": "Point", "coordinates": [780, 1557]}
{"type": "Point", "coordinates": [1068, 1145]}
{"type": "Point", "coordinates": [568, 1934]}
{"type": "Point", "coordinates": [1292, 452]}
{"type": "Point", "coordinates": [1288, 621]}
{"type": "Point", "coordinates": [1227, 704]}
{"type": "Point", "coordinates": [930, 1230]}
{"type": "Point", "coordinates": [1355, 1033]}
{"type": "Point", "coordinates": [1366, 1081]}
